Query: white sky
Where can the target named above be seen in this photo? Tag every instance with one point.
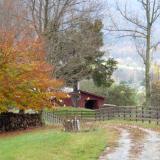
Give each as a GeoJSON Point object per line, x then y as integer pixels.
{"type": "Point", "coordinates": [122, 49]}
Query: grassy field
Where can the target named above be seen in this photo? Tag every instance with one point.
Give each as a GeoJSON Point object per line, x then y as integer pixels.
{"type": "Point", "coordinates": [54, 144]}
{"type": "Point", "coordinates": [56, 109]}
{"type": "Point", "coordinates": [71, 111]}
{"type": "Point", "coordinates": [50, 144]}
{"type": "Point", "coordinates": [145, 124]}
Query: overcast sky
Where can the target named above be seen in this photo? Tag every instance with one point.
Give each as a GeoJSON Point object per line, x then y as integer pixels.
{"type": "Point", "coordinates": [123, 50]}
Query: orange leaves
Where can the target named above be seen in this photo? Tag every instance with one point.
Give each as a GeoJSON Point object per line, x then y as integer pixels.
{"type": "Point", "coordinates": [7, 52]}
{"type": "Point", "coordinates": [25, 78]}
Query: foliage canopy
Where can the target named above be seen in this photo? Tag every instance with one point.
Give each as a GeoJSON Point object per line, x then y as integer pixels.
{"type": "Point", "coordinates": [117, 94]}
{"type": "Point", "coordinates": [25, 77]}
{"type": "Point", "coordinates": [78, 56]}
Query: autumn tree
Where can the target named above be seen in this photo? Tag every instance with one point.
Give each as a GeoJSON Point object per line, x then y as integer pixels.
{"type": "Point", "coordinates": [72, 31]}
{"type": "Point", "coordinates": [25, 77]}
{"type": "Point", "coordinates": [138, 25]}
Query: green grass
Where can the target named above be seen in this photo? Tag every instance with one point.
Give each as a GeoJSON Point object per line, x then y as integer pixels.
{"type": "Point", "coordinates": [71, 111]}
{"type": "Point", "coordinates": [144, 124]}
{"type": "Point", "coordinates": [55, 145]}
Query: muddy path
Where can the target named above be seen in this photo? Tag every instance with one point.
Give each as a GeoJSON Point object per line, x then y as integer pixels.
{"type": "Point", "coordinates": [151, 149]}
{"type": "Point", "coordinates": [135, 143]}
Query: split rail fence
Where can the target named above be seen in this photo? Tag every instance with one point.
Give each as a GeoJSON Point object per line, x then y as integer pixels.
{"type": "Point", "coordinates": [110, 113]}
{"type": "Point", "coordinates": [130, 113]}
{"type": "Point", "coordinates": [59, 117]}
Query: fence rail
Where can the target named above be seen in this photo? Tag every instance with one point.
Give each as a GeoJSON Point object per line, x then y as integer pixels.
{"type": "Point", "coordinates": [59, 117]}
{"type": "Point", "coordinates": [123, 113]}
{"type": "Point", "coordinates": [51, 118]}
{"type": "Point", "coordinates": [130, 113]}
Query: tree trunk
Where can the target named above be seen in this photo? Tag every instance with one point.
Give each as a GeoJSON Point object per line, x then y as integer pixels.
{"type": "Point", "coordinates": [147, 68]}
{"type": "Point", "coordinates": [75, 93]}
{"type": "Point", "coordinates": [148, 86]}
{"type": "Point", "coordinates": [46, 8]}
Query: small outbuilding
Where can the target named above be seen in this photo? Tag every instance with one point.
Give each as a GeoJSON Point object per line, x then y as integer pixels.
{"type": "Point", "coordinates": [85, 100]}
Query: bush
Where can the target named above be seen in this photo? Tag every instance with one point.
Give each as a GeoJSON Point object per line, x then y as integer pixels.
{"type": "Point", "coordinates": [121, 95]}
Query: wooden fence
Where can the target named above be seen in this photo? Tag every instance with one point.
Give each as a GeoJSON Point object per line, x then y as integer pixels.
{"type": "Point", "coordinates": [58, 117]}
{"type": "Point", "coordinates": [122, 113]}
{"type": "Point", "coordinates": [130, 113]}
{"type": "Point", "coordinates": [51, 118]}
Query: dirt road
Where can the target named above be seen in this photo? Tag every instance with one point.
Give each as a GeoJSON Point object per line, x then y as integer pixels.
{"type": "Point", "coordinates": [135, 143]}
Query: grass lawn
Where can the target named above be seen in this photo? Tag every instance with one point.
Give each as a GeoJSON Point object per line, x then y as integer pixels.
{"type": "Point", "coordinates": [50, 144]}
{"type": "Point", "coordinates": [71, 111]}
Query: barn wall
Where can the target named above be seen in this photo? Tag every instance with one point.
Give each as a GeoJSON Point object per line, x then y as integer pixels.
{"type": "Point", "coordinates": [84, 97]}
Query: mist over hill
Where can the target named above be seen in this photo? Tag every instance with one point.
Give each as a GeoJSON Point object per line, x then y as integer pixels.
{"type": "Point", "coordinates": [132, 76]}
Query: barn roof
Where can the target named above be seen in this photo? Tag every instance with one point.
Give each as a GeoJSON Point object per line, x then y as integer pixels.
{"type": "Point", "coordinates": [90, 94]}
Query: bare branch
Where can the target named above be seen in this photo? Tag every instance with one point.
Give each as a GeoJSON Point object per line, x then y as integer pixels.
{"type": "Point", "coordinates": [135, 32]}
{"type": "Point", "coordinates": [140, 33]}
{"type": "Point", "coordinates": [132, 20]}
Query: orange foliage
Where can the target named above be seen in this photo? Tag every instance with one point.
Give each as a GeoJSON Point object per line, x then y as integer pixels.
{"type": "Point", "coordinates": [25, 78]}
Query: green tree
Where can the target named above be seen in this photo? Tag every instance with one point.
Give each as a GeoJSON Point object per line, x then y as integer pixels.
{"type": "Point", "coordinates": [121, 95]}
{"type": "Point", "coordinates": [140, 29]}
{"type": "Point", "coordinates": [73, 39]}
{"type": "Point", "coordinates": [78, 55]}
{"type": "Point", "coordinates": [89, 86]}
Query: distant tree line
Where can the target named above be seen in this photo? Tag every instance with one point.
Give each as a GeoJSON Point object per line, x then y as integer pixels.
{"type": "Point", "coordinates": [118, 94]}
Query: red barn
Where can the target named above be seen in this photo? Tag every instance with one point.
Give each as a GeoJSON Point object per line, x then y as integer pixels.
{"type": "Point", "coordinates": [85, 100]}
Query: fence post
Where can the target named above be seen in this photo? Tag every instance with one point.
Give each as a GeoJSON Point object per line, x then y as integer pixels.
{"type": "Point", "coordinates": [95, 116]}
{"type": "Point", "coordinates": [142, 114]}
{"type": "Point", "coordinates": [118, 112]}
{"type": "Point", "coordinates": [157, 115]}
{"type": "Point", "coordinates": [52, 117]}
{"type": "Point", "coordinates": [112, 113]}
{"type": "Point", "coordinates": [136, 113]}
{"type": "Point", "coordinates": [74, 114]}
{"type": "Point", "coordinates": [100, 115]}
{"type": "Point", "coordinates": [66, 114]}
{"type": "Point", "coordinates": [108, 114]}
{"type": "Point", "coordinates": [130, 113]}
{"type": "Point", "coordinates": [124, 113]}
{"type": "Point", "coordinates": [149, 115]}
{"type": "Point", "coordinates": [103, 114]}
{"type": "Point", "coordinates": [81, 115]}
